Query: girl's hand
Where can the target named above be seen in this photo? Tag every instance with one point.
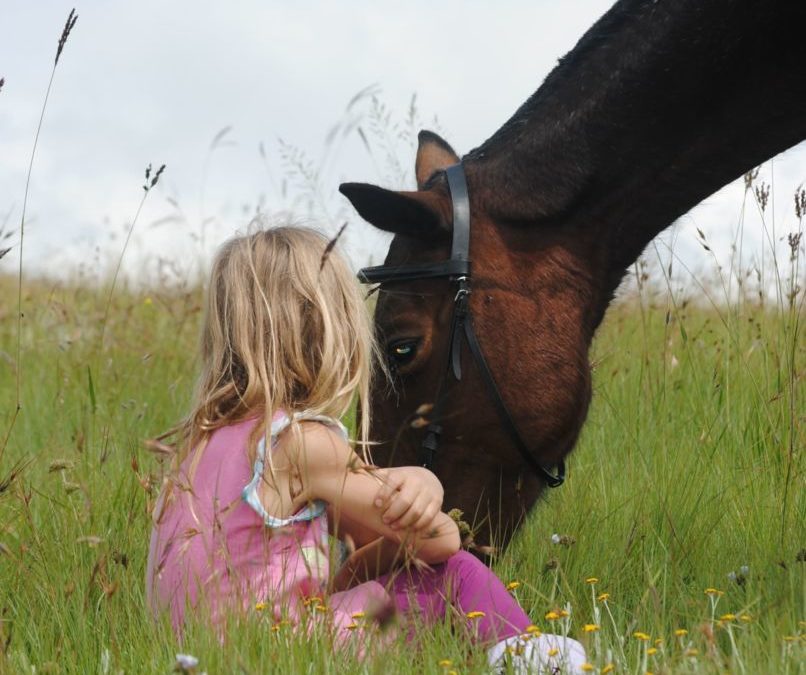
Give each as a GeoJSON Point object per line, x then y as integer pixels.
{"type": "Point", "coordinates": [410, 497]}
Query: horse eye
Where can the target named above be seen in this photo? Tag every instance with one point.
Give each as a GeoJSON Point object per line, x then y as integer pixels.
{"type": "Point", "coordinates": [401, 352]}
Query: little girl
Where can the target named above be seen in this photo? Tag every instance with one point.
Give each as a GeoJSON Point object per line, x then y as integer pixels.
{"type": "Point", "coordinates": [264, 473]}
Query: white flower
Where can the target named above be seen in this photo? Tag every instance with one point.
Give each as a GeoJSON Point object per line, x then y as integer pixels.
{"type": "Point", "coordinates": [744, 570]}
{"type": "Point", "coordinates": [555, 538]}
{"type": "Point", "coordinates": [732, 576]}
{"type": "Point", "coordinates": [186, 661]}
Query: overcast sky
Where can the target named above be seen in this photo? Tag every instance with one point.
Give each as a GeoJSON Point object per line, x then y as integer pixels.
{"type": "Point", "coordinates": [153, 82]}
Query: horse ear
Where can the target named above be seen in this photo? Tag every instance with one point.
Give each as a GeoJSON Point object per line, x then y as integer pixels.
{"type": "Point", "coordinates": [433, 154]}
{"type": "Point", "coordinates": [415, 214]}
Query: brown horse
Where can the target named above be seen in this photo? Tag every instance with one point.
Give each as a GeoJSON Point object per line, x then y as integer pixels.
{"type": "Point", "coordinates": [657, 106]}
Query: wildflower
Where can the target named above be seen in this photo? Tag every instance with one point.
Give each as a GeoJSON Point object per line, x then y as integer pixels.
{"type": "Point", "coordinates": [352, 626]}
{"type": "Point", "coordinates": [533, 629]}
{"type": "Point", "coordinates": [512, 585]}
{"type": "Point", "coordinates": [587, 668]}
{"type": "Point", "coordinates": [476, 614]}
{"type": "Point", "coordinates": [643, 637]}
{"type": "Point", "coordinates": [553, 651]}
{"type": "Point", "coordinates": [321, 608]}
{"type": "Point", "coordinates": [728, 617]}
{"type": "Point", "coordinates": [714, 592]}
{"type": "Point", "coordinates": [651, 651]}
{"type": "Point", "coordinates": [564, 613]}
{"type": "Point", "coordinates": [552, 616]}
{"type": "Point", "coordinates": [691, 652]}
{"type": "Point", "coordinates": [590, 627]}
{"type": "Point", "coordinates": [609, 668]}
{"type": "Point", "coordinates": [185, 662]}
{"type": "Point", "coordinates": [445, 663]}
{"type": "Point", "coordinates": [746, 618]}
{"type": "Point", "coordinates": [744, 570]}
{"type": "Point", "coordinates": [681, 632]}
{"type": "Point", "coordinates": [603, 597]}
{"type": "Point", "coordinates": [658, 642]}
{"type": "Point", "coordinates": [357, 615]}
{"type": "Point", "coordinates": [555, 538]}
{"type": "Point", "coordinates": [591, 580]}
{"type": "Point", "coordinates": [260, 606]}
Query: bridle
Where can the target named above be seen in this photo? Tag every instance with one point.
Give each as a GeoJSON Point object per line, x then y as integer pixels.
{"type": "Point", "coordinates": [457, 270]}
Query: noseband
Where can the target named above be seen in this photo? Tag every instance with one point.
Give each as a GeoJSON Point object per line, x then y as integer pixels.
{"type": "Point", "coordinates": [457, 270]}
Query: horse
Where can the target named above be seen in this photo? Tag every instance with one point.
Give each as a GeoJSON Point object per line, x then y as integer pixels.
{"type": "Point", "coordinates": [657, 106]}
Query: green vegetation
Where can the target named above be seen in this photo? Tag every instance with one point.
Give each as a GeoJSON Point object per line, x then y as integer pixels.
{"type": "Point", "coordinates": [689, 468]}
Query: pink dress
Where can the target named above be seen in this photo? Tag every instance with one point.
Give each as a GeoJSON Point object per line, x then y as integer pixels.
{"type": "Point", "coordinates": [214, 549]}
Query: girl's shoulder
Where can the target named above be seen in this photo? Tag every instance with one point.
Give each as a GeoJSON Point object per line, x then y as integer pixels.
{"type": "Point", "coordinates": [282, 420]}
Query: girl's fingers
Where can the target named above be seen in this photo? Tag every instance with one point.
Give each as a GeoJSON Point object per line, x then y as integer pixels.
{"type": "Point", "coordinates": [400, 502]}
{"type": "Point", "coordinates": [389, 487]}
{"type": "Point", "coordinates": [424, 522]}
{"type": "Point", "coordinates": [413, 513]}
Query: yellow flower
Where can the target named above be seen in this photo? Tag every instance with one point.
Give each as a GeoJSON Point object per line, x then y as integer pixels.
{"type": "Point", "coordinates": [714, 592]}
{"type": "Point", "coordinates": [552, 616]}
{"type": "Point", "coordinates": [553, 651]}
{"type": "Point", "coordinates": [564, 613]}
{"type": "Point", "coordinates": [590, 627]}
{"type": "Point", "coordinates": [260, 606]}
{"type": "Point", "coordinates": [321, 608]}
{"type": "Point", "coordinates": [609, 668]}
{"type": "Point", "coordinates": [651, 651]}
{"type": "Point", "coordinates": [533, 629]}
{"type": "Point", "coordinates": [790, 638]}
{"type": "Point", "coordinates": [591, 580]}
{"type": "Point", "coordinates": [587, 667]}
{"type": "Point", "coordinates": [746, 618]}
{"type": "Point", "coordinates": [276, 627]}
{"type": "Point", "coordinates": [728, 617]}
{"type": "Point", "coordinates": [658, 641]}
{"type": "Point", "coordinates": [352, 626]}
{"type": "Point", "coordinates": [357, 615]}
{"type": "Point", "coordinates": [477, 614]}
{"type": "Point", "coordinates": [512, 585]}
{"type": "Point", "coordinates": [445, 663]}
{"type": "Point", "coordinates": [691, 652]}
{"type": "Point", "coordinates": [603, 597]}
{"type": "Point", "coordinates": [681, 632]}
{"type": "Point", "coordinates": [147, 301]}
{"type": "Point", "coordinates": [638, 635]}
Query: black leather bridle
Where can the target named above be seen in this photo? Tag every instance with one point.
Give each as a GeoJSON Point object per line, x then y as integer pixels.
{"type": "Point", "coordinates": [457, 270]}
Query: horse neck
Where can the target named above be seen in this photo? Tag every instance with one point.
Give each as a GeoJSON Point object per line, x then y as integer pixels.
{"type": "Point", "coordinates": [657, 107]}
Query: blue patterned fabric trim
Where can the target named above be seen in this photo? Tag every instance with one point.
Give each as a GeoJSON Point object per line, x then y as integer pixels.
{"type": "Point", "coordinates": [250, 492]}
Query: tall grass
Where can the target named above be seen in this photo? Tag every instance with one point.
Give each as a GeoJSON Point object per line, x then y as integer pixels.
{"type": "Point", "coordinates": [678, 481]}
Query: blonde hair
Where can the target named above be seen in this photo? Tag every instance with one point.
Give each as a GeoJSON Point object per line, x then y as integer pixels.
{"type": "Point", "coordinates": [285, 328]}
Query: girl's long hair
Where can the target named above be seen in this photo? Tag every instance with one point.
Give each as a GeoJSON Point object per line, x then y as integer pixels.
{"type": "Point", "coordinates": [285, 328]}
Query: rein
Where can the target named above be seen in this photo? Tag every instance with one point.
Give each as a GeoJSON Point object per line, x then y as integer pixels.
{"type": "Point", "coordinates": [458, 270]}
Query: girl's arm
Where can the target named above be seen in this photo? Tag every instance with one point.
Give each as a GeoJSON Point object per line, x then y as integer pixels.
{"type": "Point", "coordinates": [331, 471]}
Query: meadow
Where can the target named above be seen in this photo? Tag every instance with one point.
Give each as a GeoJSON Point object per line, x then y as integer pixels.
{"type": "Point", "coordinates": [676, 545]}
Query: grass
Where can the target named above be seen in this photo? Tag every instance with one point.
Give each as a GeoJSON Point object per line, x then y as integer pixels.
{"type": "Point", "coordinates": [679, 479]}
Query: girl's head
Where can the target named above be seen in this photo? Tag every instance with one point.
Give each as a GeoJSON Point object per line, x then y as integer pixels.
{"type": "Point", "coordinates": [285, 327]}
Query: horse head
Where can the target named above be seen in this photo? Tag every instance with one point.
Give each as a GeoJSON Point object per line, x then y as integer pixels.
{"type": "Point", "coordinates": [657, 106]}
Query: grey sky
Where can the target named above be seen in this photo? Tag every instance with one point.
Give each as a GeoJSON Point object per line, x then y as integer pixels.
{"type": "Point", "coordinates": [155, 81]}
